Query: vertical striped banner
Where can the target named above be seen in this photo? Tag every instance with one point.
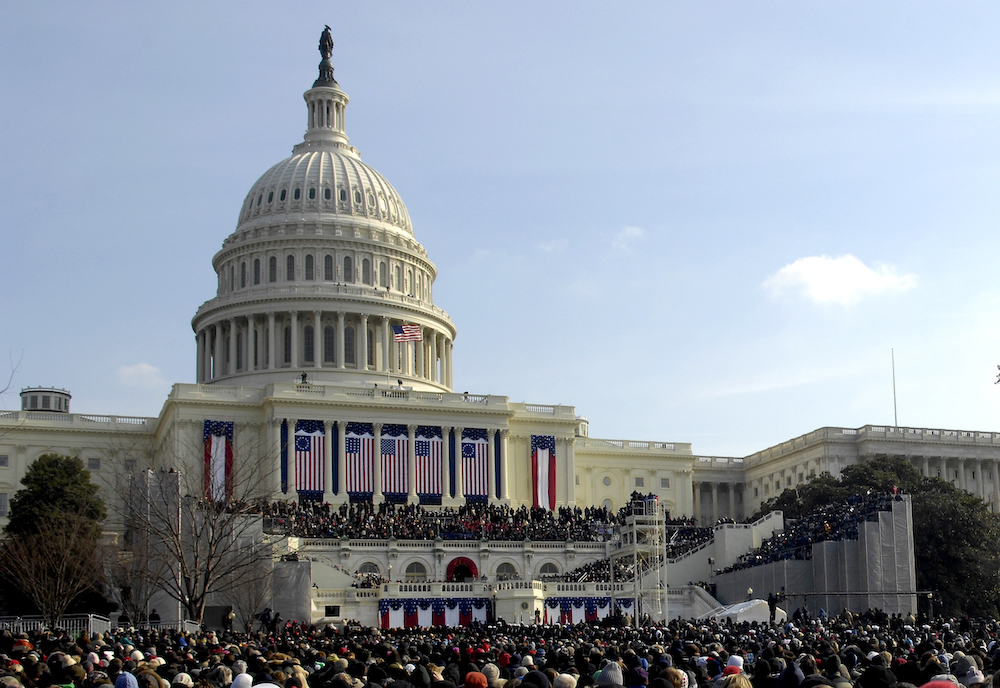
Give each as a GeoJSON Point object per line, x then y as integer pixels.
{"type": "Point", "coordinates": [475, 451]}
{"type": "Point", "coordinates": [429, 452]}
{"type": "Point", "coordinates": [394, 455]}
{"type": "Point", "coordinates": [359, 448]}
{"type": "Point", "coordinates": [310, 446]}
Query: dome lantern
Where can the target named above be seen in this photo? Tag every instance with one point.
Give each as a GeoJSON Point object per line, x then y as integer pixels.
{"type": "Point", "coordinates": [326, 104]}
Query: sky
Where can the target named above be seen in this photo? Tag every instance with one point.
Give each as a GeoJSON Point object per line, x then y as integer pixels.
{"type": "Point", "coordinates": [713, 223]}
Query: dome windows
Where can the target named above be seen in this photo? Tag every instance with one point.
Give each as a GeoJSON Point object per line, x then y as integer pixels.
{"type": "Point", "coordinates": [290, 268]}
{"type": "Point", "coordinates": [281, 196]}
{"type": "Point", "coordinates": [259, 199]}
{"type": "Point", "coordinates": [383, 275]}
{"type": "Point", "coordinates": [329, 343]}
{"type": "Point", "coordinates": [309, 348]}
{"type": "Point", "coordinates": [312, 193]}
{"type": "Point", "coordinates": [349, 345]}
{"type": "Point", "coordinates": [328, 268]}
{"type": "Point", "coordinates": [297, 194]}
{"type": "Point", "coordinates": [357, 196]}
{"type": "Point", "coordinates": [270, 196]}
{"type": "Point", "coordinates": [310, 273]}
{"type": "Point", "coordinates": [272, 269]}
{"type": "Point", "coordinates": [256, 271]}
{"type": "Point", "coordinates": [348, 270]}
{"type": "Point", "coordinates": [343, 195]}
{"type": "Point", "coordinates": [327, 193]}
{"type": "Point", "coordinates": [371, 200]}
{"type": "Point", "coordinates": [366, 271]}
{"type": "Point", "coordinates": [243, 275]}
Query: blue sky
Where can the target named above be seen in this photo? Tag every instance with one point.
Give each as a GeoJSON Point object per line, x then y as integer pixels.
{"type": "Point", "coordinates": [696, 222]}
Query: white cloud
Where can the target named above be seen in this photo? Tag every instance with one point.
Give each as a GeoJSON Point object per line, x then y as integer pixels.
{"type": "Point", "coordinates": [843, 279]}
{"type": "Point", "coordinates": [554, 246]}
{"type": "Point", "coordinates": [626, 236]}
{"type": "Point", "coordinates": [141, 375]}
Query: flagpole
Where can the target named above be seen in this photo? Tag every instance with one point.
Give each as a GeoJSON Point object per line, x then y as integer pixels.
{"type": "Point", "coordinates": [895, 417]}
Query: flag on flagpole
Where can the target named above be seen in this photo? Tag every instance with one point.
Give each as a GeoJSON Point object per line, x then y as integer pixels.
{"type": "Point", "coordinates": [407, 333]}
{"type": "Point", "coordinates": [218, 439]}
{"type": "Point", "coordinates": [543, 471]}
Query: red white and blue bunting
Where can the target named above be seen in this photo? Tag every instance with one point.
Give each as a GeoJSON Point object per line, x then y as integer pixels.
{"type": "Point", "coordinates": [427, 612]}
{"type": "Point", "coordinates": [574, 610]}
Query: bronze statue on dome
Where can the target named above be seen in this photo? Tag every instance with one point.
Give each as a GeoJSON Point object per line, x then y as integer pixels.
{"type": "Point", "coordinates": [326, 43]}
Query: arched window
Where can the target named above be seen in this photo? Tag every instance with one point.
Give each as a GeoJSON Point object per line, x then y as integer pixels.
{"type": "Point", "coordinates": [290, 268]}
{"type": "Point", "coordinates": [548, 569]}
{"type": "Point", "coordinates": [366, 271]}
{"type": "Point", "coordinates": [312, 193]}
{"type": "Point", "coordinates": [371, 347]}
{"type": "Point", "coordinates": [239, 351]}
{"type": "Point", "coordinates": [506, 571]}
{"type": "Point", "coordinates": [383, 275]}
{"type": "Point", "coordinates": [357, 196]}
{"type": "Point", "coordinates": [396, 284]}
{"type": "Point", "coordinates": [243, 275]}
{"type": "Point", "coordinates": [369, 568]}
{"type": "Point", "coordinates": [232, 277]}
{"type": "Point", "coordinates": [288, 344]}
{"type": "Point", "coordinates": [297, 194]}
{"type": "Point", "coordinates": [307, 336]}
{"type": "Point", "coordinates": [415, 573]}
{"type": "Point", "coordinates": [343, 195]}
{"type": "Point", "coordinates": [309, 267]}
{"type": "Point", "coordinates": [409, 282]}
{"type": "Point", "coordinates": [349, 345]}
{"type": "Point", "coordinates": [348, 270]}
{"type": "Point", "coordinates": [256, 270]}
{"type": "Point", "coordinates": [328, 268]}
{"type": "Point", "coordinates": [272, 269]}
{"type": "Point", "coordinates": [282, 196]}
{"type": "Point", "coordinates": [270, 196]}
{"type": "Point", "coordinates": [326, 194]}
{"type": "Point", "coordinates": [607, 504]}
{"type": "Point", "coordinates": [329, 343]}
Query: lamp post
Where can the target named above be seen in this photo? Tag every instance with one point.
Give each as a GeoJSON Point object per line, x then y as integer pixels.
{"type": "Point", "coordinates": [494, 605]}
{"type": "Point", "coordinates": [749, 594]}
{"type": "Point", "coordinates": [930, 604]}
{"type": "Point", "coordinates": [390, 573]}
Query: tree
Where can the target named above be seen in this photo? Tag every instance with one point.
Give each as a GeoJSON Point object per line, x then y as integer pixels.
{"type": "Point", "coordinates": [52, 552]}
{"type": "Point", "coordinates": [55, 485]}
{"type": "Point", "coordinates": [196, 548]}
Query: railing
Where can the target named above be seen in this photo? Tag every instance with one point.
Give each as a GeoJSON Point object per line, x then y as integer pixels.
{"type": "Point", "coordinates": [131, 423]}
{"type": "Point", "coordinates": [73, 623]}
{"type": "Point", "coordinates": [597, 443]}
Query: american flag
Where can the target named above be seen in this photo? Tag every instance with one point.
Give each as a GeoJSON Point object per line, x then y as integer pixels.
{"type": "Point", "coordinates": [310, 450]}
{"type": "Point", "coordinates": [475, 454]}
{"type": "Point", "coordinates": [407, 333]}
{"type": "Point", "coordinates": [359, 447]}
{"type": "Point", "coordinates": [218, 439]}
{"type": "Point", "coordinates": [394, 455]}
{"type": "Point", "coordinates": [429, 465]}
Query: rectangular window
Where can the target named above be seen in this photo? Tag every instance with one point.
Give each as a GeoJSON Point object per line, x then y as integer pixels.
{"type": "Point", "coordinates": [788, 481]}
{"type": "Point", "coordinates": [756, 492]}
{"type": "Point", "coordinates": [93, 464]}
{"type": "Point", "coordinates": [46, 401]}
{"type": "Point", "coordinates": [577, 478]}
{"type": "Point", "coordinates": [3, 504]}
{"type": "Point", "coordinates": [34, 401]}
{"type": "Point", "coordinates": [665, 483]}
{"type": "Point", "coordinates": [4, 460]}
{"type": "Point", "coordinates": [767, 490]}
{"type": "Point", "coordinates": [640, 482]}
{"type": "Point", "coordinates": [800, 477]}
{"type": "Point", "coordinates": [331, 610]}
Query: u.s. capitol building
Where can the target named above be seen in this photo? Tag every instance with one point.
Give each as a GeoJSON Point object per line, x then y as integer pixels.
{"type": "Point", "coordinates": [324, 356]}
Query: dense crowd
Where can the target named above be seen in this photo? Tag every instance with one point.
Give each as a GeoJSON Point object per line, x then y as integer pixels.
{"type": "Point", "coordinates": [874, 650]}
{"type": "Point", "coordinates": [838, 521]}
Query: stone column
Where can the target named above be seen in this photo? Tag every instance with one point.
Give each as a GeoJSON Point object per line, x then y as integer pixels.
{"type": "Point", "coordinates": [385, 344]}
{"type": "Point", "coordinates": [448, 349]}
{"type": "Point", "coordinates": [328, 462]}
{"type": "Point", "coordinates": [411, 464]}
{"type": "Point", "coordinates": [252, 345]}
{"type": "Point", "coordinates": [270, 340]}
{"type": "Point", "coordinates": [275, 443]}
{"type": "Point", "coordinates": [445, 464]}
{"type": "Point", "coordinates": [231, 368]}
{"type": "Point", "coordinates": [731, 487]}
{"type": "Point", "coordinates": [570, 471]}
{"type": "Point", "coordinates": [363, 340]}
{"type": "Point", "coordinates": [317, 339]}
{"type": "Point", "coordinates": [217, 370]}
{"type": "Point", "coordinates": [504, 473]}
{"type": "Point", "coordinates": [459, 477]}
{"type": "Point", "coordinates": [342, 461]}
{"type": "Point", "coordinates": [434, 357]}
{"type": "Point", "coordinates": [926, 467]}
{"type": "Point", "coordinates": [377, 496]}
{"type": "Point", "coordinates": [491, 465]}
{"type": "Point", "coordinates": [340, 340]}
{"type": "Point", "coordinates": [419, 350]}
{"type": "Point", "coordinates": [715, 503]}
{"type": "Point", "coordinates": [199, 339]}
{"type": "Point", "coordinates": [295, 339]}
{"type": "Point", "coordinates": [696, 487]}
{"type": "Point", "coordinates": [290, 454]}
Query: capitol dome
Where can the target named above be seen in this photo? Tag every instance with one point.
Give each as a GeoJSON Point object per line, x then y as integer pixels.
{"type": "Point", "coordinates": [323, 273]}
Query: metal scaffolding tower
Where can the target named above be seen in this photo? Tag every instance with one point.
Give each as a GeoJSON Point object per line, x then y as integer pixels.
{"type": "Point", "coordinates": [640, 548]}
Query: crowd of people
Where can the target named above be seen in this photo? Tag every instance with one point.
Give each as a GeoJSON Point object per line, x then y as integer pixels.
{"type": "Point", "coordinates": [837, 521]}
{"type": "Point", "coordinates": [473, 521]}
{"type": "Point", "coordinates": [873, 650]}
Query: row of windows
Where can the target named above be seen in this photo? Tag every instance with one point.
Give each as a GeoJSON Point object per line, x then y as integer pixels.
{"type": "Point", "coordinates": [639, 482]}
{"type": "Point", "coordinates": [251, 275]}
{"type": "Point", "coordinates": [31, 402]}
{"type": "Point", "coordinates": [388, 207]}
{"type": "Point", "coordinates": [416, 572]}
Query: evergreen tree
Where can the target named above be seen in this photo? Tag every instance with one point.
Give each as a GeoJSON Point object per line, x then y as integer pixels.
{"type": "Point", "coordinates": [54, 486]}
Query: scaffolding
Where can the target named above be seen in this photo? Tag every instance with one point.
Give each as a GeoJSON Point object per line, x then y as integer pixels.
{"type": "Point", "coordinates": [640, 548]}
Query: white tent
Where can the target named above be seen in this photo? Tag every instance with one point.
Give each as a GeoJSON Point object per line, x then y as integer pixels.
{"type": "Point", "coordinates": [753, 610]}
